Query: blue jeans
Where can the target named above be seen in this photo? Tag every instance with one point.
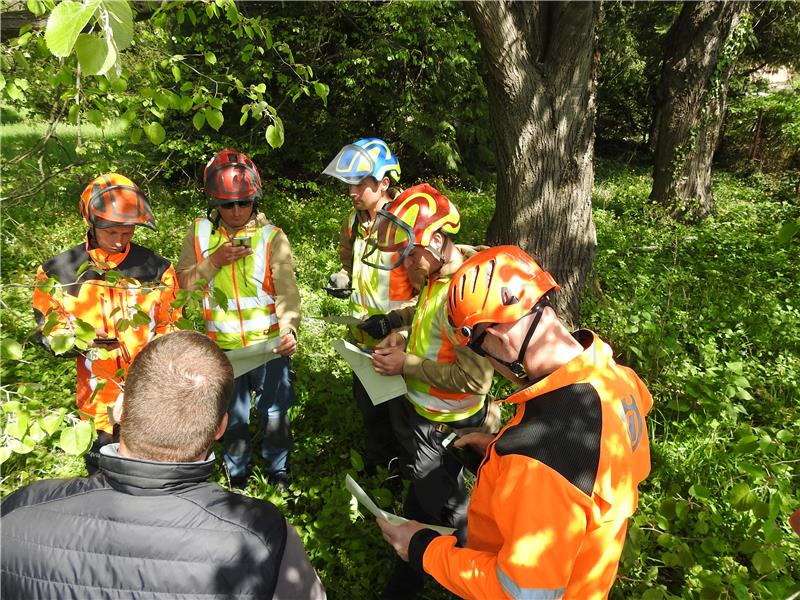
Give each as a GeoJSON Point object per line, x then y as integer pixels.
{"type": "Point", "coordinates": [274, 395]}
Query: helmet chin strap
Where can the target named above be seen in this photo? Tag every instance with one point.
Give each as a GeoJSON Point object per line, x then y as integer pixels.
{"type": "Point", "coordinates": [516, 367]}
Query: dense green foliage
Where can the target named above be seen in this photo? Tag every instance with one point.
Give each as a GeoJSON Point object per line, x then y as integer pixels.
{"type": "Point", "coordinates": [707, 314]}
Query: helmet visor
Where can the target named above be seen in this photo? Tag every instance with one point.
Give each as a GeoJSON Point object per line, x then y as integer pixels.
{"type": "Point", "coordinates": [120, 205]}
{"type": "Point", "coordinates": [352, 165]}
{"type": "Point", "coordinates": [389, 243]}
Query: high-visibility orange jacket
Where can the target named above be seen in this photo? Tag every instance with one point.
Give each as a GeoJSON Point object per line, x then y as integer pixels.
{"type": "Point", "coordinates": [549, 510]}
{"type": "Point", "coordinates": [148, 283]}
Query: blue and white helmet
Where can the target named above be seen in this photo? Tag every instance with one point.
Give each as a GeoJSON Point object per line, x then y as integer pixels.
{"type": "Point", "coordinates": [359, 160]}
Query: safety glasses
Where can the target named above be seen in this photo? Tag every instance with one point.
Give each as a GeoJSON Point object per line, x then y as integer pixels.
{"type": "Point", "coordinates": [390, 241]}
{"type": "Point", "coordinates": [239, 203]}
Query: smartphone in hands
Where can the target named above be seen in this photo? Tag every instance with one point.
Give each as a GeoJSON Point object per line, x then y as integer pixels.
{"type": "Point", "coordinates": [242, 242]}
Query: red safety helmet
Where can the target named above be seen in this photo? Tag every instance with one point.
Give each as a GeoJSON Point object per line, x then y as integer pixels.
{"type": "Point", "coordinates": [497, 285]}
{"type": "Point", "coordinates": [410, 220]}
{"type": "Point", "coordinates": [231, 177]}
{"type": "Point", "coordinates": [113, 199]}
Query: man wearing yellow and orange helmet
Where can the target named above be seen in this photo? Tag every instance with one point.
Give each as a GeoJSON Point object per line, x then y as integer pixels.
{"type": "Point", "coordinates": [235, 250]}
{"type": "Point", "coordinates": [447, 383]}
{"type": "Point", "coordinates": [548, 514]}
{"type": "Point", "coordinates": [141, 288]}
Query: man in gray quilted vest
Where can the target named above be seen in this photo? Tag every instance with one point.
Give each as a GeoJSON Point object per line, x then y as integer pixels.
{"type": "Point", "coordinates": [150, 524]}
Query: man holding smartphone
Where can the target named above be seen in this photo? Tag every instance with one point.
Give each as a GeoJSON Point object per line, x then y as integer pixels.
{"type": "Point", "coordinates": [549, 511]}
{"type": "Point", "coordinates": [143, 284]}
{"type": "Point", "coordinates": [237, 253]}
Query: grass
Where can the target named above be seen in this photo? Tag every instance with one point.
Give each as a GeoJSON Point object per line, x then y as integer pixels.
{"type": "Point", "coordinates": [707, 314]}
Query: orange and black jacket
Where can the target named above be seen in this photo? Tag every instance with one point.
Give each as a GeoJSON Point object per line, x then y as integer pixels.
{"type": "Point", "coordinates": [548, 514]}
{"type": "Point", "coordinates": [147, 287]}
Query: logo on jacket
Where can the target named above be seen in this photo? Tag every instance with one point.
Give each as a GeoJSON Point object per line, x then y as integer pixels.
{"type": "Point", "coordinates": [633, 420]}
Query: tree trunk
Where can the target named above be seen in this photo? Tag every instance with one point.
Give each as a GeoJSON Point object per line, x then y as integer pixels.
{"type": "Point", "coordinates": [691, 106]}
{"type": "Point", "coordinates": [540, 76]}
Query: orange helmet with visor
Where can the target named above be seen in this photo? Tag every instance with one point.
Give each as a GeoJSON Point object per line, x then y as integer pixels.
{"type": "Point", "coordinates": [113, 199]}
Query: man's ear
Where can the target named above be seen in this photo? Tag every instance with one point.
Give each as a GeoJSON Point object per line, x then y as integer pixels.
{"type": "Point", "coordinates": [223, 425]}
{"type": "Point", "coordinates": [384, 184]}
{"type": "Point", "coordinates": [437, 240]}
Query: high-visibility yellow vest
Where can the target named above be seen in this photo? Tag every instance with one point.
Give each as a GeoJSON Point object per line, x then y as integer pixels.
{"type": "Point", "coordinates": [375, 291]}
{"type": "Point", "coordinates": [248, 315]}
{"type": "Point", "coordinates": [429, 339]}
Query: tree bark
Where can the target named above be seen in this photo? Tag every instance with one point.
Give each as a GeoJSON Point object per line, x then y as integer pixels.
{"type": "Point", "coordinates": [540, 75]}
{"type": "Point", "coordinates": [691, 105]}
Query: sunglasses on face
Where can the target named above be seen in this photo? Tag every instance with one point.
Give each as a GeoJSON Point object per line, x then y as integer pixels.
{"type": "Point", "coordinates": [239, 203]}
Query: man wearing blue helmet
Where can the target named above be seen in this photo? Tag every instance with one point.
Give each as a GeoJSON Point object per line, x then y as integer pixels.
{"type": "Point", "coordinates": [368, 167]}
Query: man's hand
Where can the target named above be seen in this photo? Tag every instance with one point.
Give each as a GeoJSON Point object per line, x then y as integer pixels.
{"type": "Point", "coordinates": [287, 345]}
{"type": "Point", "coordinates": [393, 340]}
{"type": "Point", "coordinates": [339, 285]}
{"type": "Point", "coordinates": [389, 361]}
{"type": "Point", "coordinates": [228, 253]}
{"type": "Point", "coordinates": [479, 441]}
{"type": "Point", "coordinates": [399, 536]}
{"type": "Point", "coordinates": [104, 342]}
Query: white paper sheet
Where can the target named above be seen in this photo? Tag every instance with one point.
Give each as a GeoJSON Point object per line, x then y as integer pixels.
{"type": "Point", "coordinates": [380, 388]}
{"type": "Point", "coordinates": [367, 502]}
{"type": "Point", "coordinates": [248, 358]}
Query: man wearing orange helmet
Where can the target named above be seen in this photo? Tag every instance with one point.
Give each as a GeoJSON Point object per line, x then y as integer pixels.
{"type": "Point", "coordinates": [368, 167]}
{"type": "Point", "coordinates": [237, 253]}
{"type": "Point", "coordinates": [548, 514]}
{"type": "Point", "coordinates": [143, 287]}
{"type": "Point", "coordinates": [447, 383]}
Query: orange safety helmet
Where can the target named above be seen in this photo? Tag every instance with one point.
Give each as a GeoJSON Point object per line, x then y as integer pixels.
{"type": "Point", "coordinates": [231, 177]}
{"type": "Point", "coordinates": [411, 220]}
{"type": "Point", "coordinates": [497, 285]}
{"type": "Point", "coordinates": [113, 199]}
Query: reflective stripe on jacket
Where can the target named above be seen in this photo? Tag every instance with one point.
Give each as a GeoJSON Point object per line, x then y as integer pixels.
{"type": "Point", "coordinates": [248, 314]}
{"type": "Point", "coordinates": [548, 514]}
{"type": "Point", "coordinates": [148, 283]}
{"type": "Point", "coordinates": [429, 339]}
{"type": "Point", "coordinates": [374, 291]}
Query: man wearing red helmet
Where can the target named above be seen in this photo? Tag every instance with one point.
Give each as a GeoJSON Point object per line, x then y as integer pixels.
{"type": "Point", "coordinates": [112, 206]}
{"type": "Point", "coordinates": [237, 253]}
{"type": "Point", "coordinates": [549, 511]}
{"type": "Point", "coordinates": [447, 383]}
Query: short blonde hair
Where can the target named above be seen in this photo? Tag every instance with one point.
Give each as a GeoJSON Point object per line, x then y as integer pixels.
{"type": "Point", "coordinates": [176, 393]}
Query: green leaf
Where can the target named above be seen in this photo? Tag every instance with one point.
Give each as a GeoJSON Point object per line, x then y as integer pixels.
{"type": "Point", "coordinates": [65, 24]}
{"type": "Point", "coordinates": [19, 426]}
{"type": "Point", "coordinates": [95, 55]}
{"type": "Point", "coordinates": [120, 17]}
{"type": "Point", "coordinates": [36, 433]}
{"type": "Point", "coordinates": [211, 58]}
{"type": "Point", "coordinates": [10, 350]}
{"type": "Point", "coordinates": [60, 344]}
{"type": "Point", "coordinates": [762, 563]}
{"type": "Point", "coordinates": [199, 119]}
{"type": "Point", "coordinates": [739, 495]}
{"type": "Point", "coordinates": [74, 111]}
{"type": "Point", "coordinates": [214, 118]}
{"type": "Point", "coordinates": [77, 439]}
{"type": "Point", "coordinates": [155, 133]}
{"type": "Point", "coordinates": [136, 135]}
{"type": "Point", "coordinates": [220, 298]}
{"type": "Point", "coordinates": [176, 73]}
{"type": "Point", "coordinates": [23, 446]}
{"type": "Point", "coordinates": [356, 461]}
{"type": "Point", "coordinates": [322, 91]}
{"type": "Point", "coordinates": [5, 454]}
{"type": "Point", "coordinates": [699, 491]}
{"type": "Point", "coordinates": [51, 422]}
{"type": "Point", "coordinates": [787, 232]}
{"type": "Point", "coordinates": [184, 324]}
{"type": "Point", "coordinates": [275, 133]}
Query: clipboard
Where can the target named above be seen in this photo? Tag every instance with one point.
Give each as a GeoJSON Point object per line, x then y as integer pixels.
{"type": "Point", "coordinates": [380, 388]}
{"type": "Point", "coordinates": [251, 357]}
{"type": "Point", "coordinates": [367, 502]}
